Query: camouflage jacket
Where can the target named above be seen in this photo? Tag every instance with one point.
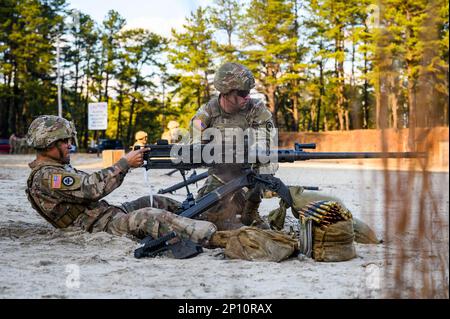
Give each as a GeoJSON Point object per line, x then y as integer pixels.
{"type": "Point", "coordinates": [64, 195]}
{"type": "Point", "coordinates": [254, 115]}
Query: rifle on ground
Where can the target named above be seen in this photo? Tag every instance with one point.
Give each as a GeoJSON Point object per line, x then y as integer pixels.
{"type": "Point", "coordinates": [182, 157]}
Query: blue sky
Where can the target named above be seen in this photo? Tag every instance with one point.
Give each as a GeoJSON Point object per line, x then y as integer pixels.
{"type": "Point", "coordinates": [158, 16]}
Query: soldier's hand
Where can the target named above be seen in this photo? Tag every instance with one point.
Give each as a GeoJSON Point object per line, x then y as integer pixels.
{"type": "Point", "coordinates": [136, 158]}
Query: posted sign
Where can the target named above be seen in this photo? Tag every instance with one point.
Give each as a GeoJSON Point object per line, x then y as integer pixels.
{"type": "Point", "coordinates": [98, 116]}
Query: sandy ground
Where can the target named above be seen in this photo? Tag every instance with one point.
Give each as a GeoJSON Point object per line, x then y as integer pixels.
{"type": "Point", "coordinates": [37, 261]}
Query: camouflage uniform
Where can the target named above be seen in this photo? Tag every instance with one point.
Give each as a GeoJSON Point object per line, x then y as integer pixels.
{"type": "Point", "coordinates": [65, 196]}
{"type": "Point", "coordinates": [254, 115]}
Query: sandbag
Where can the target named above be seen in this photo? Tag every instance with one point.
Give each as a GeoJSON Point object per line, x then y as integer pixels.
{"type": "Point", "coordinates": [252, 243]}
{"type": "Point", "coordinates": [363, 233]}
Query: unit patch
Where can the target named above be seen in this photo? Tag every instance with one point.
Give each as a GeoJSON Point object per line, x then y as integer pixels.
{"type": "Point", "coordinates": [68, 180]}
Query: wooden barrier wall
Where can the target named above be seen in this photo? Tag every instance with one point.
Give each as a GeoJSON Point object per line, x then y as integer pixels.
{"type": "Point", "coordinates": [400, 140]}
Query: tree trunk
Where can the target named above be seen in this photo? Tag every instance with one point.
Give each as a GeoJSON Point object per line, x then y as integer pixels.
{"type": "Point", "coordinates": [85, 126]}
{"type": "Point", "coordinates": [321, 92]}
{"type": "Point", "coordinates": [133, 103]}
{"type": "Point", "coordinates": [206, 86]}
{"type": "Point", "coordinates": [5, 125]}
{"type": "Point", "coordinates": [13, 102]}
{"type": "Point", "coordinates": [412, 114]}
{"type": "Point", "coordinates": [382, 102]}
{"type": "Point", "coordinates": [271, 94]}
{"type": "Point", "coordinates": [199, 96]}
{"type": "Point", "coordinates": [272, 103]}
{"type": "Point", "coordinates": [365, 94]}
{"type": "Point", "coordinates": [347, 120]}
{"type": "Point", "coordinates": [76, 84]}
{"type": "Point", "coordinates": [340, 93]}
{"type": "Point", "coordinates": [119, 115]}
{"type": "Point", "coordinates": [86, 131]}
{"type": "Point", "coordinates": [106, 87]}
{"type": "Point", "coordinates": [295, 112]}
{"type": "Point", "coordinates": [312, 119]}
{"type": "Point", "coordinates": [355, 105]}
{"type": "Point", "coordinates": [393, 100]}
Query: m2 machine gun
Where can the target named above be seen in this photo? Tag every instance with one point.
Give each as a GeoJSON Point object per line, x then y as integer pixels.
{"type": "Point", "coordinates": [185, 157]}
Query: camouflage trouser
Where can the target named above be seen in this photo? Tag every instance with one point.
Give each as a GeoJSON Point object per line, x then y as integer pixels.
{"type": "Point", "coordinates": [161, 202]}
{"type": "Point", "coordinates": [225, 213]}
{"type": "Point", "coordinates": [157, 220]}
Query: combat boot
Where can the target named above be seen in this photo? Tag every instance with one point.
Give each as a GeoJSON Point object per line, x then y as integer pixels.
{"type": "Point", "coordinates": [250, 216]}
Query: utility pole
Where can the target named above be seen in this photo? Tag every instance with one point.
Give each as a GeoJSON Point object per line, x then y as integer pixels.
{"type": "Point", "coordinates": [58, 79]}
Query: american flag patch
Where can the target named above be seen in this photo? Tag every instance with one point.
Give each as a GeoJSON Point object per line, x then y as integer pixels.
{"type": "Point", "coordinates": [199, 124]}
{"type": "Point", "coordinates": [56, 180]}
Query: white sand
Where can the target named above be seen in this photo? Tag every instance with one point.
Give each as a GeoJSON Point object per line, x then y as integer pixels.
{"type": "Point", "coordinates": [38, 261]}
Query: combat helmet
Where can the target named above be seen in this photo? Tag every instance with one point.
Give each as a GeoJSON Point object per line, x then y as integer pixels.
{"type": "Point", "coordinates": [233, 76]}
{"type": "Point", "coordinates": [173, 124]}
{"type": "Point", "coordinates": [140, 135]}
{"type": "Point", "coordinates": [47, 129]}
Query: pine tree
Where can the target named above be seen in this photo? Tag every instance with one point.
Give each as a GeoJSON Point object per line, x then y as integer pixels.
{"type": "Point", "coordinates": [267, 34]}
{"type": "Point", "coordinates": [29, 29]}
{"type": "Point", "coordinates": [225, 15]}
{"type": "Point", "coordinates": [112, 24]}
{"type": "Point", "coordinates": [191, 54]}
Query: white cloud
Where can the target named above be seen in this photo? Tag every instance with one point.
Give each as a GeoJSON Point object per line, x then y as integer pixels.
{"type": "Point", "coordinates": [159, 25]}
{"type": "Point", "coordinates": [158, 16]}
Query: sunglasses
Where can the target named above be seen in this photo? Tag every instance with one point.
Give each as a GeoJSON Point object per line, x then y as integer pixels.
{"type": "Point", "coordinates": [242, 93]}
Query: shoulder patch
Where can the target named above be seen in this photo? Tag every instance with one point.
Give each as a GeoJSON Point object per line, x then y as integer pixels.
{"type": "Point", "coordinates": [65, 181]}
{"type": "Point", "coordinates": [68, 181]}
{"type": "Point", "coordinates": [55, 181]}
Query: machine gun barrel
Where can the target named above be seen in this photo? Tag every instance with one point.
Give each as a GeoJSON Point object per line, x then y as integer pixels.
{"type": "Point", "coordinates": [292, 156]}
{"type": "Point", "coordinates": [186, 157]}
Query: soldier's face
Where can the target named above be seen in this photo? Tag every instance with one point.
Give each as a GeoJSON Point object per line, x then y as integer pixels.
{"type": "Point", "coordinates": [64, 146]}
{"type": "Point", "coordinates": [236, 101]}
